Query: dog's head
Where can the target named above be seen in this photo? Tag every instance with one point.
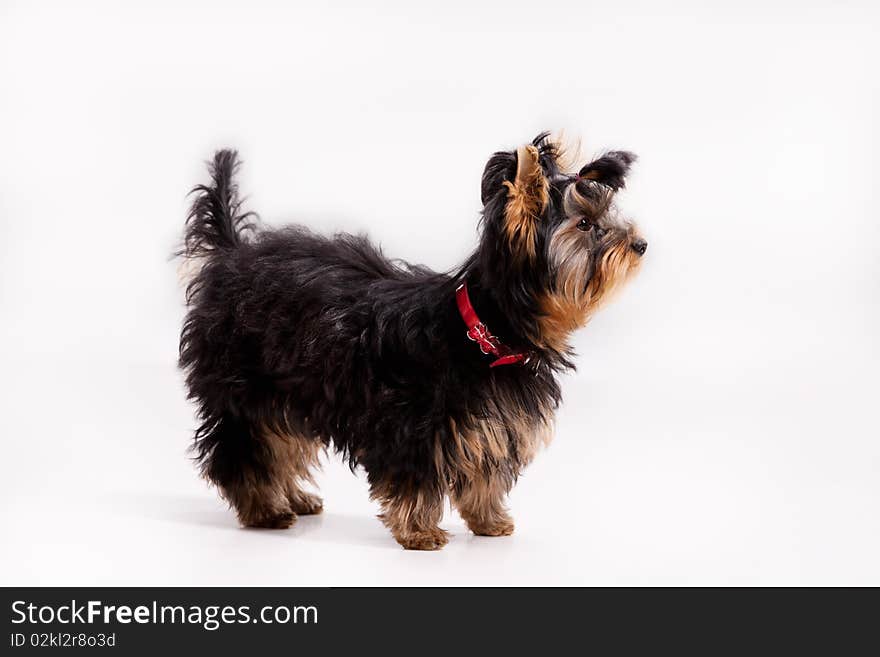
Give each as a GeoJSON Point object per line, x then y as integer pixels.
{"type": "Point", "coordinates": [554, 244]}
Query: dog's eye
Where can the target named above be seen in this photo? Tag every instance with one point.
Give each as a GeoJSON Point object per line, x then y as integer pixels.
{"type": "Point", "coordinates": [584, 224]}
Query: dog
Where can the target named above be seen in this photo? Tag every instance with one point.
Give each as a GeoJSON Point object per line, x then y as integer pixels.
{"type": "Point", "coordinates": [436, 384]}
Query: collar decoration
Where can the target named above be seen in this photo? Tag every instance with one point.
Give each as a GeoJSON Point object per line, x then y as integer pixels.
{"type": "Point", "coordinates": [479, 333]}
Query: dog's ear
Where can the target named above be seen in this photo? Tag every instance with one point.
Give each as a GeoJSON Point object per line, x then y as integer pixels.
{"type": "Point", "coordinates": [610, 169]}
{"type": "Point", "coordinates": [527, 195]}
{"type": "Point", "coordinates": [500, 168]}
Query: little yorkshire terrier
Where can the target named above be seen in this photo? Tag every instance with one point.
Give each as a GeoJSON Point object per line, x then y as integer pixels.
{"type": "Point", "coordinates": [436, 384]}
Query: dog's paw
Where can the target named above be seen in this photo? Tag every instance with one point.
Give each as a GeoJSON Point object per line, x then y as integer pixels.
{"type": "Point", "coordinates": [432, 539]}
{"type": "Point", "coordinates": [306, 504]}
{"type": "Point", "coordinates": [501, 528]}
{"type": "Point", "coordinates": [281, 520]}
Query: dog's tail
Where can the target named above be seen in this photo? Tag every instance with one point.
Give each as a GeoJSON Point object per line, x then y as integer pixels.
{"type": "Point", "coordinates": [216, 223]}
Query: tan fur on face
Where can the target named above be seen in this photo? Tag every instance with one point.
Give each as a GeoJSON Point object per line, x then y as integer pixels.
{"type": "Point", "coordinates": [273, 501]}
{"type": "Point", "coordinates": [526, 201]}
{"type": "Point", "coordinates": [572, 302]}
{"type": "Point", "coordinates": [594, 204]}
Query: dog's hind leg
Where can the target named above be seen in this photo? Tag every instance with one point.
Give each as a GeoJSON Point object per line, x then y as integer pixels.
{"type": "Point", "coordinates": [258, 472]}
{"type": "Point", "coordinates": [301, 454]}
{"type": "Point", "coordinates": [412, 513]}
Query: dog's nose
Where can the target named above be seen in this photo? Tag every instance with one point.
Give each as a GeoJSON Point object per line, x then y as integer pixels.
{"type": "Point", "coordinates": [639, 246]}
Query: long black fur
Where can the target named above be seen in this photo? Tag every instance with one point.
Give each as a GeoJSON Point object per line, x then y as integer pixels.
{"type": "Point", "coordinates": [325, 337]}
{"type": "Point", "coordinates": [361, 352]}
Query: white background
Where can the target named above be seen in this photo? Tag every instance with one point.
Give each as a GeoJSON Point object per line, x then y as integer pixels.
{"type": "Point", "coordinates": [722, 428]}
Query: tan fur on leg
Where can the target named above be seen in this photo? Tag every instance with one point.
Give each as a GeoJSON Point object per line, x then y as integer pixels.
{"type": "Point", "coordinates": [412, 517]}
{"type": "Point", "coordinates": [302, 456]}
{"type": "Point", "coordinates": [273, 497]}
{"type": "Point", "coordinates": [480, 503]}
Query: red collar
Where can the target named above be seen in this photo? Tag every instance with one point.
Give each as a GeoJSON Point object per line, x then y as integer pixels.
{"type": "Point", "coordinates": [479, 333]}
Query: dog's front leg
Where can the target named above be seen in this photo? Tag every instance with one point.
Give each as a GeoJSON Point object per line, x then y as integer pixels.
{"type": "Point", "coordinates": [480, 502]}
{"type": "Point", "coordinates": [412, 514]}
